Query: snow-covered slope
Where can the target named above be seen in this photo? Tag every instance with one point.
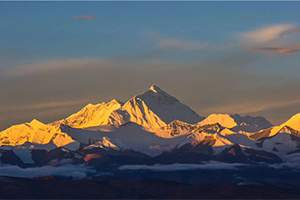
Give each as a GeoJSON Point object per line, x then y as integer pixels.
{"type": "Point", "coordinates": [154, 109]}
{"type": "Point", "coordinates": [128, 136]}
{"type": "Point", "coordinates": [92, 115]}
{"type": "Point", "coordinates": [34, 132]}
{"type": "Point", "coordinates": [138, 138]}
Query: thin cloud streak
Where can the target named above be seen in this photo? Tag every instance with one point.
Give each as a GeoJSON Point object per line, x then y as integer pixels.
{"type": "Point", "coordinates": [245, 108]}
{"type": "Point", "coordinates": [58, 65]}
{"type": "Point", "coordinates": [56, 104]}
{"type": "Point", "coordinates": [293, 30]}
{"type": "Point", "coordinates": [164, 46]}
{"type": "Point", "coordinates": [275, 50]}
{"type": "Point", "coordinates": [180, 45]}
{"type": "Point", "coordinates": [86, 17]}
{"type": "Point", "coordinates": [282, 51]}
{"type": "Point", "coordinates": [173, 44]}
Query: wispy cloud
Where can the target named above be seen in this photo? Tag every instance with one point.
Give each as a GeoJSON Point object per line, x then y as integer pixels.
{"type": "Point", "coordinates": [267, 34]}
{"type": "Point", "coordinates": [248, 107]}
{"type": "Point", "coordinates": [57, 104]}
{"type": "Point", "coordinates": [293, 30]}
{"type": "Point", "coordinates": [46, 106]}
{"type": "Point", "coordinates": [178, 45]}
{"type": "Point", "coordinates": [173, 44]}
{"type": "Point", "coordinates": [57, 65]}
{"type": "Point", "coordinates": [164, 46]}
{"type": "Point", "coordinates": [86, 17]}
{"type": "Point", "coordinates": [275, 50]}
{"type": "Point", "coordinates": [272, 40]}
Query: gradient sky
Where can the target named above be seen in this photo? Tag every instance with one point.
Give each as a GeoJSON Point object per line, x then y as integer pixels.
{"type": "Point", "coordinates": [216, 57]}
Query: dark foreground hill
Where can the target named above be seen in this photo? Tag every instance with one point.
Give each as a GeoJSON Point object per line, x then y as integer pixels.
{"type": "Point", "coordinates": [111, 188]}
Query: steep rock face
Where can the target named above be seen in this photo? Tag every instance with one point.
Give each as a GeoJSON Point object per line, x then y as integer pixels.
{"type": "Point", "coordinates": [155, 109]}
{"type": "Point", "coordinates": [92, 115]}
{"type": "Point", "coordinates": [34, 132]}
{"type": "Point", "coordinates": [261, 134]}
{"type": "Point", "coordinates": [176, 128]}
{"type": "Point", "coordinates": [291, 131]}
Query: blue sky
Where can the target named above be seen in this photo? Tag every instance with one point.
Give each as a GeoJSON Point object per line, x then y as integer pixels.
{"type": "Point", "coordinates": [216, 57]}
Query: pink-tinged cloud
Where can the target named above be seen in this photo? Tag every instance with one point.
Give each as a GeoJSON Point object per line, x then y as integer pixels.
{"type": "Point", "coordinates": [275, 50]}
{"type": "Point", "coordinates": [293, 30]}
{"type": "Point", "coordinates": [85, 17]}
{"type": "Point", "coordinates": [282, 51]}
{"type": "Point", "coordinates": [267, 34]}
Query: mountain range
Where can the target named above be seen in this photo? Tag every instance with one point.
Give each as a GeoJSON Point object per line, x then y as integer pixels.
{"type": "Point", "coordinates": [149, 131]}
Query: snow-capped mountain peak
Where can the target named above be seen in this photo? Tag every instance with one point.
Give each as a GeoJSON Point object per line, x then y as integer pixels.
{"type": "Point", "coordinates": [156, 108]}
{"type": "Point", "coordinates": [156, 89]}
{"type": "Point", "coordinates": [36, 123]}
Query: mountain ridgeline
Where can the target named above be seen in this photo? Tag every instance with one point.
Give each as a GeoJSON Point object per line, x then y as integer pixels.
{"type": "Point", "coordinates": [150, 128]}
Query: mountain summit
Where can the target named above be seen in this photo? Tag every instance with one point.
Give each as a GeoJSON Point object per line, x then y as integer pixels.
{"type": "Point", "coordinates": [152, 109]}
{"type": "Point", "coordinates": [156, 89]}
{"type": "Point", "coordinates": [155, 108]}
